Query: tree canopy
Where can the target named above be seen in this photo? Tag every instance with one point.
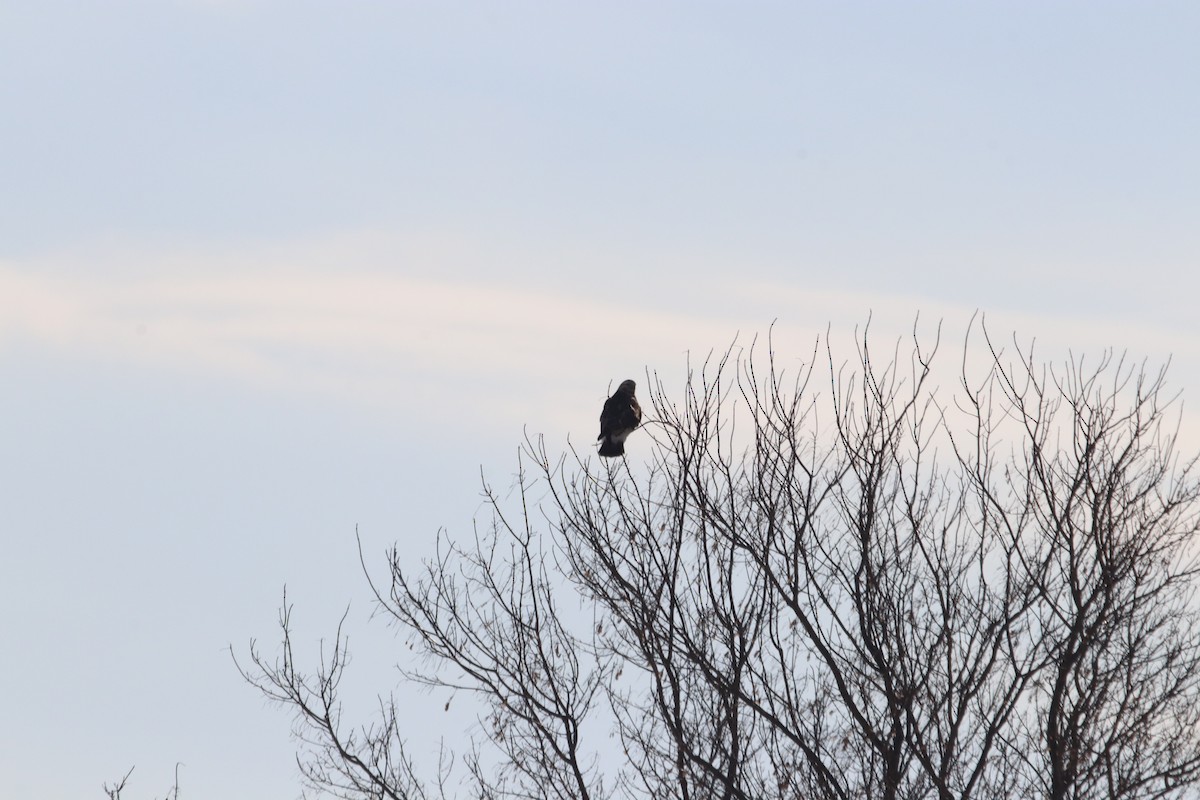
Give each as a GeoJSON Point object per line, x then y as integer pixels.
{"type": "Point", "coordinates": [839, 581]}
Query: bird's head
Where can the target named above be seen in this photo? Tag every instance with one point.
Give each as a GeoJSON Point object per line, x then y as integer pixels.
{"type": "Point", "coordinates": [627, 387]}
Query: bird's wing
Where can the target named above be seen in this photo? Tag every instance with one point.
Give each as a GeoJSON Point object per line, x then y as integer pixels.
{"type": "Point", "coordinates": [610, 414]}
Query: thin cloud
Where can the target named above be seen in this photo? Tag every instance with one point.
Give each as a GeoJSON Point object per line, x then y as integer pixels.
{"type": "Point", "coordinates": [478, 353]}
{"type": "Point", "coordinates": [382, 340]}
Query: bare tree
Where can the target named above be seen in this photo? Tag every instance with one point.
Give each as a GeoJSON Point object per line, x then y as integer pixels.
{"type": "Point", "coordinates": [842, 583]}
{"type": "Point", "coordinates": [115, 790]}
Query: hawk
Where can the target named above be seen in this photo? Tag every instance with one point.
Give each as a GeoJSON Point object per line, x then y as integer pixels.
{"type": "Point", "coordinates": [620, 416]}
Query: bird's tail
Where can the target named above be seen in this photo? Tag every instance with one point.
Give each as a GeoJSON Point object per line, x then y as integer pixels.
{"type": "Point", "coordinates": [611, 449]}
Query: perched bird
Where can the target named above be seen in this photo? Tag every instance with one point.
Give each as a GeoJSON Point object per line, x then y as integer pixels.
{"type": "Point", "coordinates": [620, 416]}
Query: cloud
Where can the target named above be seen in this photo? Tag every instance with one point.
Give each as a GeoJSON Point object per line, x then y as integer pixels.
{"type": "Point", "coordinates": [297, 319]}
{"type": "Point", "coordinates": [380, 340]}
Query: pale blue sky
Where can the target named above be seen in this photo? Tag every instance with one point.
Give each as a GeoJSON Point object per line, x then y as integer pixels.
{"type": "Point", "coordinates": [270, 270]}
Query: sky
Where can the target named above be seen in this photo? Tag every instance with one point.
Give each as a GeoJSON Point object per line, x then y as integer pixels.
{"type": "Point", "coordinates": [273, 272]}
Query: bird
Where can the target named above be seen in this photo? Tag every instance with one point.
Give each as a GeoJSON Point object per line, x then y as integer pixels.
{"type": "Point", "coordinates": [620, 416]}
